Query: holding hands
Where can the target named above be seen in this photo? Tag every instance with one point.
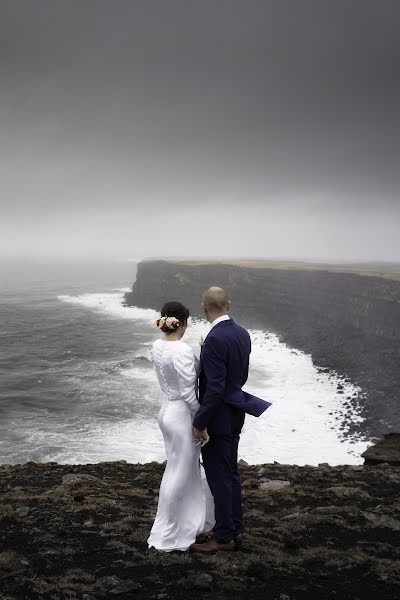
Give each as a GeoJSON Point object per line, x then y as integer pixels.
{"type": "Point", "coordinates": [200, 438]}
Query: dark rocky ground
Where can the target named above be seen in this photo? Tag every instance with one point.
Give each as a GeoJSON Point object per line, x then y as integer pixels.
{"type": "Point", "coordinates": [72, 532]}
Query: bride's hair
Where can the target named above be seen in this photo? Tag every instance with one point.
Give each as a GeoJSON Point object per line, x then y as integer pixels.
{"type": "Point", "coordinates": [173, 314]}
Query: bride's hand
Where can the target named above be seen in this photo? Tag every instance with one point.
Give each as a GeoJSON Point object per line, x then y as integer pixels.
{"type": "Point", "coordinates": [205, 439]}
{"type": "Point", "coordinates": [200, 438]}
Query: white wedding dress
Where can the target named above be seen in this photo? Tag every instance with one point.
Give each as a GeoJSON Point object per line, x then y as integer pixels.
{"type": "Point", "coordinates": [185, 505]}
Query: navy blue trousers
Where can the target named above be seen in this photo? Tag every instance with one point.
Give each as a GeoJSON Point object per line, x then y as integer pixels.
{"type": "Point", "coordinates": [220, 465]}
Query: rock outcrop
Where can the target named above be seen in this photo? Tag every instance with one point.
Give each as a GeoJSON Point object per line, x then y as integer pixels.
{"type": "Point", "coordinates": [80, 531]}
{"type": "Point", "coordinates": [348, 322]}
{"type": "Point", "coordinates": [385, 451]}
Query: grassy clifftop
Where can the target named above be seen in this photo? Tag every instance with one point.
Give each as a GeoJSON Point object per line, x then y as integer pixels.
{"type": "Point", "coordinates": [372, 269]}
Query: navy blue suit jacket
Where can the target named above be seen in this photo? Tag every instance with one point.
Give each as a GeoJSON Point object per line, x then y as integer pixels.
{"type": "Point", "coordinates": [224, 369]}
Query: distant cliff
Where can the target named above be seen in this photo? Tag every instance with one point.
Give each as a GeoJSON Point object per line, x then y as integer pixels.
{"type": "Point", "coordinates": [347, 322]}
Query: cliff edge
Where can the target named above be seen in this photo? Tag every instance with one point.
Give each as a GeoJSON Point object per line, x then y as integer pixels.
{"type": "Point", "coordinates": [79, 532]}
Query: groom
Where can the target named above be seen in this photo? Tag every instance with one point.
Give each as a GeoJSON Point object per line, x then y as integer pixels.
{"type": "Point", "coordinates": [223, 404]}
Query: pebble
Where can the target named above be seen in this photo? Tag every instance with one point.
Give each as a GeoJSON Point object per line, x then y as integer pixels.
{"type": "Point", "coordinates": [23, 511]}
{"type": "Point", "coordinates": [126, 586]}
{"type": "Point", "coordinates": [382, 520]}
{"type": "Point", "coordinates": [75, 477]}
{"type": "Point", "coordinates": [275, 485]}
{"type": "Point", "coordinates": [346, 492]}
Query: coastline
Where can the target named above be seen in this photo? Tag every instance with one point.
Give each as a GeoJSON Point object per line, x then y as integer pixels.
{"type": "Point", "coordinates": [349, 323]}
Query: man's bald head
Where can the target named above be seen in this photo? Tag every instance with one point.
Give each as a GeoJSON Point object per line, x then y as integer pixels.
{"type": "Point", "coordinates": [215, 302]}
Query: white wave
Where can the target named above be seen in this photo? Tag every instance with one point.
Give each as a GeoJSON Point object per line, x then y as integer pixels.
{"type": "Point", "coordinates": [139, 374]}
{"type": "Point", "coordinates": [137, 441]}
{"type": "Point", "coordinates": [301, 427]}
{"type": "Point", "coordinates": [111, 304]}
{"type": "Point", "coordinates": [143, 356]}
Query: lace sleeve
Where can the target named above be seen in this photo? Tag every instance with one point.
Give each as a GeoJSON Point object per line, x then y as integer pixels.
{"type": "Point", "coordinates": [185, 365]}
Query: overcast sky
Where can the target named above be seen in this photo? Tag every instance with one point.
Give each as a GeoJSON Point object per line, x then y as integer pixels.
{"type": "Point", "coordinates": [200, 128]}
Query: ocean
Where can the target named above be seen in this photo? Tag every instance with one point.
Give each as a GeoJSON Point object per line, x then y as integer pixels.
{"type": "Point", "coordinates": [77, 384]}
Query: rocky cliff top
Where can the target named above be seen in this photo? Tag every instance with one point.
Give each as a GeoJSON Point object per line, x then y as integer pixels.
{"type": "Point", "coordinates": [388, 270]}
{"type": "Point", "coordinates": [385, 451]}
{"type": "Point", "coordinates": [79, 532]}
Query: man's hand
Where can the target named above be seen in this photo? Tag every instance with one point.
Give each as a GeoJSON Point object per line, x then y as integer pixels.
{"type": "Point", "coordinates": [200, 438]}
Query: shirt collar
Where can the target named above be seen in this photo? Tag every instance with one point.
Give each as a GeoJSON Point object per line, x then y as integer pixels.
{"type": "Point", "coordinates": [219, 320]}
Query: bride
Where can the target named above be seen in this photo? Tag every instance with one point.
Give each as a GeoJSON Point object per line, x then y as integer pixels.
{"type": "Point", "coordinates": [185, 506]}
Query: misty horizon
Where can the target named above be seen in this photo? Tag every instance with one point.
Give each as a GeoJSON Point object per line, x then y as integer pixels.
{"type": "Point", "coordinates": [32, 261]}
{"type": "Point", "coordinates": [265, 130]}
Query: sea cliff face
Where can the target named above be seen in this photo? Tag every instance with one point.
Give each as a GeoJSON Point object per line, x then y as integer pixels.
{"type": "Point", "coordinates": [347, 322]}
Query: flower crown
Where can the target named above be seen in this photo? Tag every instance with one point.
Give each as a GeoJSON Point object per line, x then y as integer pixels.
{"type": "Point", "coordinates": [168, 323]}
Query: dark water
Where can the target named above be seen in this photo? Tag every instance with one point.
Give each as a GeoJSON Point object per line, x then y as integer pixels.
{"type": "Point", "coordinates": [60, 363]}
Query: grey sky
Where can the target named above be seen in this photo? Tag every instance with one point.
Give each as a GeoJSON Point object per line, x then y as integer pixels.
{"type": "Point", "coordinates": [257, 128]}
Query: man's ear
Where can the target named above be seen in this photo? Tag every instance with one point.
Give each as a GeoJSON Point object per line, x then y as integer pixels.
{"type": "Point", "coordinates": [228, 306]}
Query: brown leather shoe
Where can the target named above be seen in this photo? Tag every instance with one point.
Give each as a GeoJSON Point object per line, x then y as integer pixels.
{"type": "Point", "coordinates": [212, 546]}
